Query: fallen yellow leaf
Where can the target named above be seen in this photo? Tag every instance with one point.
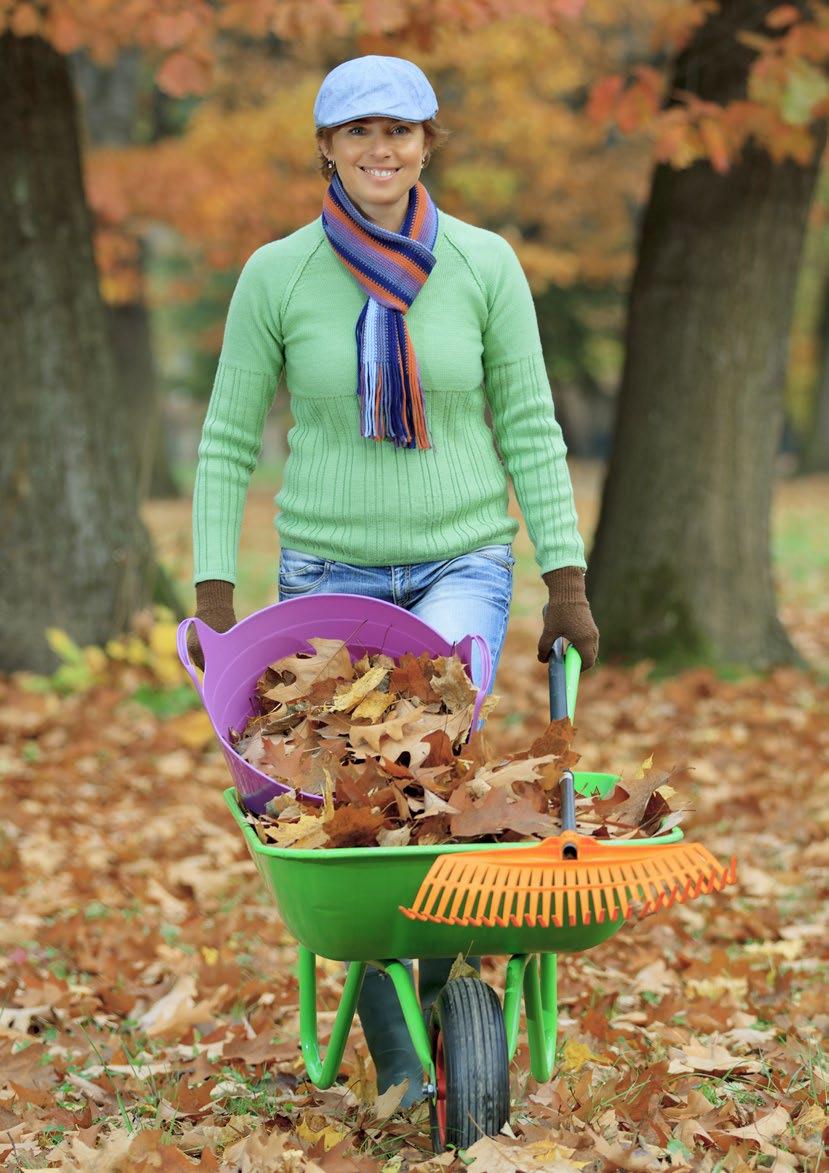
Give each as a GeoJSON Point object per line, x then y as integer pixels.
{"type": "Point", "coordinates": [329, 1134]}
{"type": "Point", "coordinates": [348, 698]}
{"type": "Point", "coordinates": [574, 1055]}
{"type": "Point", "coordinates": [373, 705]}
{"type": "Point", "coordinates": [192, 729]}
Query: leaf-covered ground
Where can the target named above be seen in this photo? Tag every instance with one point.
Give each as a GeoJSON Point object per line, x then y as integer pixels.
{"type": "Point", "coordinates": [148, 1003]}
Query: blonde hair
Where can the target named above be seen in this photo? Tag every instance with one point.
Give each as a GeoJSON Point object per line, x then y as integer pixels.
{"type": "Point", "coordinates": [436, 136]}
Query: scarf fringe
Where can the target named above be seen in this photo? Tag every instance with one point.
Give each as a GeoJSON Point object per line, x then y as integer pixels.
{"type": "Point", "coordinates": [390, 392]}
{"type": "Point", "coordinates": [390, 408]}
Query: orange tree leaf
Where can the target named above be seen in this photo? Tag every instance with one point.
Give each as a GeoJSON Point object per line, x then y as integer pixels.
{"type": "Point", "coordinates": [716, 147]}
{"type": "Point", "coordinates": [25, 21]}
{"type": "Point", "coordinates": [783, 16]}
{"type": "Point", "coordinates": [181, 75]}
{"type": "Point", "coordinates": [637, 105]}
{"type": "Point", "coordinates": [604, 96]}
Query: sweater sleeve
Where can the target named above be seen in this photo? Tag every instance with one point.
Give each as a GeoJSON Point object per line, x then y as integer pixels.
{"type": "Point", "coordinates": [246, 377]}
{"type": "Point", "coordinates": [528, 434]}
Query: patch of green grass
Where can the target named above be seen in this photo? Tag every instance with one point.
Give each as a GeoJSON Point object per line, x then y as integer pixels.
{"type": "Point", "coordinates": [95, 910]}
{"type": "Point", "coordinates": [710, 1093]}
{"type": "Point", "coordinates": [256, 1097]}
{"type": "Point", "coordinates": [167, 702]}
{"type": "Point", "coordinates": [800, 547]}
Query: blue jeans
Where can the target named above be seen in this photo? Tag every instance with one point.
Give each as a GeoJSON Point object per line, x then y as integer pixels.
{"type": "Point", "coordinates": [467, 595]}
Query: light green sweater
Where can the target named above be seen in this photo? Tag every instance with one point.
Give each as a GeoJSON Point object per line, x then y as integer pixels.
{"type": "Point", "coordinates": [473, 325]}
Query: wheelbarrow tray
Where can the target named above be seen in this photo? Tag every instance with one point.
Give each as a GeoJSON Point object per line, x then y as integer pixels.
{"type": "Point", "coordinates": [344, 903]}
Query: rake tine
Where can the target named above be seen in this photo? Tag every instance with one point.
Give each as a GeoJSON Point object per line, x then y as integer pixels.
{"type": "Point", "coordinates": [539, 886]}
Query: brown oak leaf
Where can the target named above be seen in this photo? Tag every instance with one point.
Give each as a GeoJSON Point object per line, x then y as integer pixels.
{"type": "Point", "coordinates": [331, 661]}
{"type": "Point", "coordinates": [409, 678]}
{"type": "Point", "coordinates": [452, 684]}
{"type": "Point", "coordinates": [499, 810]}
{"type": "Point", "coordinates": [353, 826]}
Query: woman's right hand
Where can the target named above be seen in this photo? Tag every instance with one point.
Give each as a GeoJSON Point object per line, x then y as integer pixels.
{"type": "Point", "coordinates": [214, 606]}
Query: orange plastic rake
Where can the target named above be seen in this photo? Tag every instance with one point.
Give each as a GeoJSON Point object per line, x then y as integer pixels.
{"type": "Point", "coordinates": [541, 886]}
{"type": "Point", "coordinates": [569, 879]}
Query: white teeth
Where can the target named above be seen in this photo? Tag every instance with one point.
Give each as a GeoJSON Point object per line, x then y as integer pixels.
{"type": "Point", "coordinates": [375, 171]}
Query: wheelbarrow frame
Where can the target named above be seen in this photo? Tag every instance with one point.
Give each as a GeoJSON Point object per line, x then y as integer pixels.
{"type": "Point", "coordinates": [531, 976]}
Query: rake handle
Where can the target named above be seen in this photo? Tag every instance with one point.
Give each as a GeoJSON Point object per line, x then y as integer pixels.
{"type": "Point", "coordinates": [558, 710]}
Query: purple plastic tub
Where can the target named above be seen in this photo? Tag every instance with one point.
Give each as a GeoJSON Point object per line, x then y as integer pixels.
{"type": "Point", "coordinates": [233, 662]}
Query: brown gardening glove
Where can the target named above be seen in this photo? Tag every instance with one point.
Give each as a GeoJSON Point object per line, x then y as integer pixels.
{"type": "Point", "coordinates": [214, 606]}
{"type": "Point", "coordinates": [568, 613]}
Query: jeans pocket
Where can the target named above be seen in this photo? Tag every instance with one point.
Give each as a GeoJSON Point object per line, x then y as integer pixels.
{"type": "Point", "coordinates": [500, 555]}
{"type": "Point", "coordinates": [300, 573]}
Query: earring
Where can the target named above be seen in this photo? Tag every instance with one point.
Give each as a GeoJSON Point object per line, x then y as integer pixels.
{"type": "Point", "coordinates": [424, 162]}
{"type": "Point", "coordinates": [329, 164]}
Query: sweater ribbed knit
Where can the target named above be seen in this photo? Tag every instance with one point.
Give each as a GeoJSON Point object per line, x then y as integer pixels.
{"type": "Point", "coordinates": [344, 498]}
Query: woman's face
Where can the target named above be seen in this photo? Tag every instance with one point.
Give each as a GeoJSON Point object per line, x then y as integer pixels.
{"type": "Point", "coordinates": [378, 160]}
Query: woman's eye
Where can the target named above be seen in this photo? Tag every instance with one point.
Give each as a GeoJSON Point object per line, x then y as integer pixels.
{"type": "Point", "coordinates": [402, 129]}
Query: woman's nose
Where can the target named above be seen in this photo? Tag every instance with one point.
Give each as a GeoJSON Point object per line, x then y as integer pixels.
{"type": "Point", "coordinates": [379, 148]}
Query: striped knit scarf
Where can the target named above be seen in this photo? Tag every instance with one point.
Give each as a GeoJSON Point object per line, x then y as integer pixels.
{"type": "Point", "coordinates": [392, 268]}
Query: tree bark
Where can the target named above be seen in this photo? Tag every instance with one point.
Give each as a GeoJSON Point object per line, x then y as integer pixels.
{"type": "Point", "coordinates": [129, 326]}
{"type": "Point", "coordinates": [74, 552]}
{"type": "Point", "coordinates": [816, 443]}
{"type": "Point", "coordinates": [109, 110]}
{"type": "Point", "coordinates": [680, 570]}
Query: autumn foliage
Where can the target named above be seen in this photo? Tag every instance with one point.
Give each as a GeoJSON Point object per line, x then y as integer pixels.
{"type": "Point", "coordinates": [552, 115]}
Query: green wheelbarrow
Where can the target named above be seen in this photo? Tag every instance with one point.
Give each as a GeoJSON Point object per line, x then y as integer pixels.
{"type": "Point", "coordinates": [355, 905]}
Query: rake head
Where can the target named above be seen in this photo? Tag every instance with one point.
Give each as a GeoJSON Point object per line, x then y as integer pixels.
{"type": "Point", "coordinates": [544, 886]}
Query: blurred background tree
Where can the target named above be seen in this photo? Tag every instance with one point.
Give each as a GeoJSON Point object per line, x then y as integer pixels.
{"type": "Point", "coordinates": [198, 147]}
{"type": "Point", "coordinates": [681, 565]}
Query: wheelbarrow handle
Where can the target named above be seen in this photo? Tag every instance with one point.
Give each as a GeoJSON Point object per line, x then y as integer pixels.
{"type": "Point", "coordinates": [564, 668]}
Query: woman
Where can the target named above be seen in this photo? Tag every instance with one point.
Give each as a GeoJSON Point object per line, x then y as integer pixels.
{"type": "Point", "coordinates": [395, 325]}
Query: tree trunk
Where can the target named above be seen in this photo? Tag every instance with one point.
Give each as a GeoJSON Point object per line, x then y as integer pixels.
{"type": "Point", "coordinates": [816, 443]}
{"type": "Point", "coordinates": [74, 552]}
{"type": "Point", "coordinates": [681, 569]}
{"type": "Point", "coordinates": [109, 111]}
{"type": "Point", "coordinates": [129, 325]}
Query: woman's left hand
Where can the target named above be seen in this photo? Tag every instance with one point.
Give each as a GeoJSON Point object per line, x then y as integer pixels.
{"type": "Point", "coordinates": [568, 614]}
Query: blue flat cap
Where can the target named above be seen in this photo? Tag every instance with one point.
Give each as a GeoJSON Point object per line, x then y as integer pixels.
{"type": "Point", "coordinates": [374, 87]}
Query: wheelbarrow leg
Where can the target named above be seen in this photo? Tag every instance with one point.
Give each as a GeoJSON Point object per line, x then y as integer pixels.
{"type": "Point", "coordinates": [541, 1006]}
{"type": "Point", "coordinates": [513, 992]}
{"type": "Point", "coordinates": [324, 1072]}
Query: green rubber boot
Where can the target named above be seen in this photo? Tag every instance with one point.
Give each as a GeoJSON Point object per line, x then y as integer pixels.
{"type": "Point", "coordinates": [387, 1036]}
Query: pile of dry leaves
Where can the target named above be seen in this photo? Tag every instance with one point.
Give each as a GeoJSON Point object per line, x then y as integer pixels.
{"type": "Point", "coordinates": [384, 743]}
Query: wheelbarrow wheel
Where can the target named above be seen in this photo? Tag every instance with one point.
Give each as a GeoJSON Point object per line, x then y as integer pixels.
{"type": "Point", "coordinates": [469, 1050]}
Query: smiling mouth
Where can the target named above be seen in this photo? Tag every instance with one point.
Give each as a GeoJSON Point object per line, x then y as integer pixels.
{"type": "Point", "coordinates": [380, 172]}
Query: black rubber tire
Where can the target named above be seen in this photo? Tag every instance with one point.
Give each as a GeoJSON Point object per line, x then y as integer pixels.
{"type": "Point", "coordinates": [469, 1047]}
